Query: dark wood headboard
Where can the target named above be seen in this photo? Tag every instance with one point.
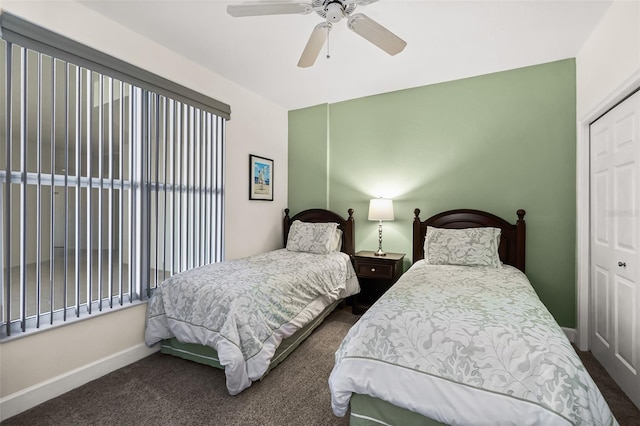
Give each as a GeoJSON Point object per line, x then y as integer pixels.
{"type": "Point", "coordinates": [512, 237]}
{"type": "Point", "coordinates": [322, 215]}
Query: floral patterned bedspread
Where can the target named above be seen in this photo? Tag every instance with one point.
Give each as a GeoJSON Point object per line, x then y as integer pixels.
{"type": "Point", "coordinates": [244, 308]}
{"type": "Point", "coordinates": [467, 345]}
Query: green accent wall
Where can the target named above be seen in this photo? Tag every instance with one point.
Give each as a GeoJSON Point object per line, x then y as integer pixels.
{"type": "Point", "coordinates": [497, 142]}
{"type": "Point", "coordinates": [308, 162]}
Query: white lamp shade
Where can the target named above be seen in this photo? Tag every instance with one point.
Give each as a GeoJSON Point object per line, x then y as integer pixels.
{"type": "Point", "coordinates": [381, 209]}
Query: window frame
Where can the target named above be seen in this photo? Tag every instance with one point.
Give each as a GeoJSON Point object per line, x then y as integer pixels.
{"type": "Point", "coordinates": [206, 122]}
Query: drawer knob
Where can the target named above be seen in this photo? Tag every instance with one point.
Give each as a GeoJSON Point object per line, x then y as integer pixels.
{"type": "Point", "coordinates": [373, 269]}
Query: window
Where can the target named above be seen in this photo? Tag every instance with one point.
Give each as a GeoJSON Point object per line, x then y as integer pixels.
{"type": "Point", "coordinates": [110, 180]}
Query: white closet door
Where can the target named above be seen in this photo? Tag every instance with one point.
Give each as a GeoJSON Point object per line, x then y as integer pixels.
{"type": "Point", "coordinates": [615, 239]}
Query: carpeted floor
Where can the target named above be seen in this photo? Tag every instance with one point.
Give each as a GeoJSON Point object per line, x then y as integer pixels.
{"type": "Point", "coordinates": [625, 412]}
{"type": "Point", "coordinates": [164, 390]}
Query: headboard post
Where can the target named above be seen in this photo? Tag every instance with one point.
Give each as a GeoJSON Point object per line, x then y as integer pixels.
{"type": "Point", "coordinates": [418, 252]}
{"type": "Point", "coordinates": [520, 238]}
{"type": "Point", "coordinates": [286, 225]}
{"type": "Point", "coordinates": [348, 235]}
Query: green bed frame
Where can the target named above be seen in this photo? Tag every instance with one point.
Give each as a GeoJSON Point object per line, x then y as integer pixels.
{"type": "Point", "coordinates": [368, 411]}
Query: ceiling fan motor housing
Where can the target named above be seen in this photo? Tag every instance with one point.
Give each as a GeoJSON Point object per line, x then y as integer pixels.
{"type": "Point", "coordinates": [333, 10]}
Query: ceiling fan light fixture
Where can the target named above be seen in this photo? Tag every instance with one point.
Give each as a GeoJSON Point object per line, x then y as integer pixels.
{"type": "Point", "coordinates": [334, 12]}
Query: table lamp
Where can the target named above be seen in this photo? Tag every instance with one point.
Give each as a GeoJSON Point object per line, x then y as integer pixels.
{"type": "Point", "coordinates": [380, 209]}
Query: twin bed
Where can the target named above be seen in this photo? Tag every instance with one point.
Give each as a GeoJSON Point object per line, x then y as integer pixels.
{"type": "Point", "coordinates": [461, 338]}
{"type": "Point", "coordinates": [246, 315]}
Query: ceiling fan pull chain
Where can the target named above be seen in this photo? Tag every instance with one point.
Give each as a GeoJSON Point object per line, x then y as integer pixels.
{"type": "Point", "coordinates": [328, 31]}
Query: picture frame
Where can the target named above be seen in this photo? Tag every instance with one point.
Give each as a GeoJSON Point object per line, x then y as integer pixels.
{"type": "Point", "coordinates": [260, 178]}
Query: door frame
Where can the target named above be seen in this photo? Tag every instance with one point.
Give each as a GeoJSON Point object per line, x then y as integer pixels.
{"type": "Point", "coordinates": [583, 187]}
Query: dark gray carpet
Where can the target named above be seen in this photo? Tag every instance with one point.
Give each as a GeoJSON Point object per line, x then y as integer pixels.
{"type": "Point", "coordinates": [164, 390]}
{"type": "Point", "coordinates": [625, 412]}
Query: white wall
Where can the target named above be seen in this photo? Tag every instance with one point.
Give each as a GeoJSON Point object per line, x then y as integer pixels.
{"type": "Point", "coordinates": [32, 368]}
{"type": "Point", "coordinates": [607, 70]}
{"type": "Point", "coordinates": [610, 56]}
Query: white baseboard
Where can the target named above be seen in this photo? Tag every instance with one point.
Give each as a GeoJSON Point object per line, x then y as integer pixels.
{"type": "Point", "coordinates": [37, 394]}
{"type": "Point", "coordinates": [571, 333]}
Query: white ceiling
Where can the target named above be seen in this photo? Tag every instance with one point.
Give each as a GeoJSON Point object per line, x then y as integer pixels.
{"type": "Point", "coordinates": [446, 40]}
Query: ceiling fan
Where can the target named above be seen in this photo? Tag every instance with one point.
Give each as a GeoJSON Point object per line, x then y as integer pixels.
{"type": "Point", "coordinates": [332, 11]}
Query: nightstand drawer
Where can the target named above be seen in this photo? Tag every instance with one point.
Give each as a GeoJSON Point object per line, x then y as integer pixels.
{"type": "Point", "coordinates": [373, 270]}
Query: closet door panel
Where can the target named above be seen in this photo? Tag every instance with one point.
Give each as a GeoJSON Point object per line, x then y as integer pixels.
{"type": "Point", "coordinates": [615, 224]}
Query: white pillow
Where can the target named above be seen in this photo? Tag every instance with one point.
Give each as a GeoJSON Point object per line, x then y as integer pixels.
{"type": "Point", "coordinates": [337, 240]}
{"type": "Point", "coordinates": [468, 246]}
{"type": "Point", "coordinates": [312, 237]}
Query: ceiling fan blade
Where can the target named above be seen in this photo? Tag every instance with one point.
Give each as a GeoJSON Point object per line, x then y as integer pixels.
{"type": "Point", "coordinates": [240, 10]}
{"type": "Point", "coordinates": [376, 33]}
{"type": "Point", "coordinates": [315, 43]}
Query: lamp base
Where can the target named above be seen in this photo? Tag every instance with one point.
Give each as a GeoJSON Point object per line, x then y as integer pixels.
{"type": "Point", "coordinates": [380, 252]}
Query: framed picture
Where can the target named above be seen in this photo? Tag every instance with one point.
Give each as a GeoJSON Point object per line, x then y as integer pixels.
{"type": "Point", "coordinates": [260, 178]}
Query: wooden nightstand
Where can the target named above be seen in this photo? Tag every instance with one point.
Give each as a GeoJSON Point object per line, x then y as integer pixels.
{"type": "Point", "coordinates": [376, 275]}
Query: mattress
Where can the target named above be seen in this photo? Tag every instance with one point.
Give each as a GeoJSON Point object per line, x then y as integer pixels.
{"type": "Point", "coordinates": [244, 308]}
{"type": "Point", "coordinates": [464, 345]}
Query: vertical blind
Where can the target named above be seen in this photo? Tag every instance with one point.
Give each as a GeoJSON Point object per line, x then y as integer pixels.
{"type": "Point", "coordinates": [109, 184]}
